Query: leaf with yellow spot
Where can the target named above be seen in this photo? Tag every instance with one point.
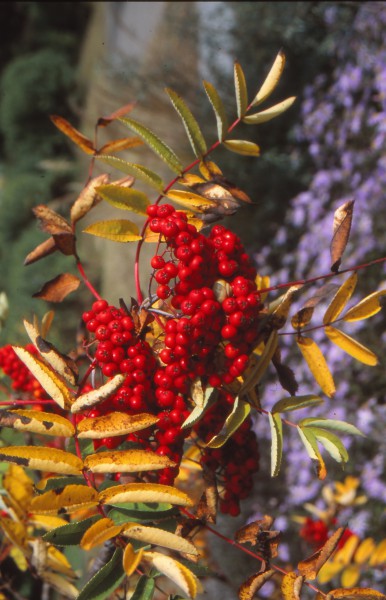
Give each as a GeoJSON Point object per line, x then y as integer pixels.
{"type": "Point", "coordinates": [144, 492]}
{"type": "Point", "coordinates": [340, 299]}
{"type": "Point", "coordinates": [126, 461]}
{"type": "Point", "coordinates": [357, 594]}
{"type": "Point", "coordinates": [131, 559]}
{"type": "Point", "coordinates": [42, 459]}
{"type": "Point", "coordinates": [317, 364]}
{"type": "Point", "coordinates": [37, 422]}
{"type": "Point", "coordinates": [98, 395]}
{"type": "Point", "coordinates": [113, 424]}
{"type": "Point", "coordinates": [116, 230]}
{"type": "Point", "coordinates": [67, 499]}
{"type": "Point", "coordinates": [351, 346]}
{"type": "Point", "coordinates": [176, 572]}
{"type": "Point", "coordinates": [291, 586]}
{"type": "Point", "coordinates": [158, 537]}
{"type": "Point", "coordinates": [366, 308]}
{"type": "Point", "coordinates": [49, 381]}
{"type": "Point", "coordinates": [271, 80]}
{"type": "Point", "coordinates": [249, 588]}
{"type": "Point", "coordinates": [311, 566]}
{"type": "Point", "coordinates": [99, 533]}
{"type": "Point", "coordinates": [350, 576]}
{"type": "Point", "coordinates": [46, 522]}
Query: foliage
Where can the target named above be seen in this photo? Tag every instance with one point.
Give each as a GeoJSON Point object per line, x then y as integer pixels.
{"type": "Point", "coordinates": [168, 381]}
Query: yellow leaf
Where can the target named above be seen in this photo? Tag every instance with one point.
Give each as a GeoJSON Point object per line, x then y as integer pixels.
{"type": "Point", "coordinates": [60, 584]}
{"type": "Point", "coordinates": [43, 459]}
{"type": "Point", "coordinates": [131, 559]}
{"type": "Point", "coordinates": [113, 424]}
{"type": "Point", "coordinates": [345, 554]}
{"type": "Point", "coordinates": [99, 533]}
{"type": "Point", "coordinates": [158, 537]}
{"type": "Point", "coordinates": [351, 346]}
{"type": "Point", "coordinates": [271, 80]}
{"type": "Point", "coordinates": [37, 422]}
{"type": "Point", "coordinates": [364, 551]}
{"type": "Point", "coordinates": [126, 461]}
{"type": "Point", "coordinates": [291, 585]}
{"type": "Point", "coordinates": [379, 555]}
{"type": "Point", "coordinates": [270, 113]}
{"type": "Point", "coordinates": [242, 147]}
{"type": "Point", "coordinates": [366, 308]}
{"type": "Point", "coordinates": [20, 561]}
{"type": "Point", "coordinates": [176, 572]}
{"type": "Point", "coordinates": [254, 374]}
{"type": "Point", "coordinates": [97, 396]}
{"type": "Point", "coordinates": [71, 497]}
{"type": "Point", "coordinates": [357, 593]}
{"type": "Point", "coordinates": [350, 576]}
{"type": "Point", "coordinates": [144, 492]}
{"type": "Point", "coordinates": [317, 364]}
{"type": "Point", "coordinates": [57, 561]}
{"type": "Point", "coordinates": [15, 531]}
{"type": "Point", "coordinates": [340, 299]}
{"type": "Point", "coordinates": [46, 522]}
{"type": "Point", "coordinates": [116, 230]}
{"type": "Point", "coordinates": [329, 570]}
{"type": "Point", "coordinates": [19, 488]}
{"type": "Point", "coordinates": [124, 198]}
{"type": "Point", "coordinates": [190, 200]}
{"type": "Point", "coordinates": [311, 566]}
{"type": "Point", "coordinates": [49, 381]}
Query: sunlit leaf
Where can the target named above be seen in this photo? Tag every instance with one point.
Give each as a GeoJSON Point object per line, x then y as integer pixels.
{"type": "Point", "coordinates": [49, 381]}
{"type": "Point", "coordinates": [125, 198]}
{"type": "Point", "coordinates": [242, 147]}
{"type": "Point", "coordinates": [277, 442]}
{"type": "Point", "coordinates": [253, 584]}
{"type": "Point", "coordinates": [270, 113]}
{"type": "Point", "coordinates": [78, 138]}
{"type": "Point", "coordinates": [98, 395]}
{"type": "Point", "coordinates": [333, 424]}
{"type": "Point", "coordinates": [357, 594]}
{"type": "Point", "coordinates": [219, 110]}
{"type": "Point", "coordinates": [42, 459]}
{"type": "Point", "coordinates": [331, 443]}
{"type": "Point", "coordinates": [341, 232]}
{"type": "Point", "coordinates": [364, 551]}
{"type": "Point", "coordinates": [126, 461]}
{"type": "Point", "coordinates": [70, 534]}
{"type": "Point", "coordinates": [176, 572]}
{"type": "Point", "coordinates": [317, 364]}
{"type": "Point", "coordinates": [99, 533]}
{"type": "Point", "coordinates": [88, 198]}
{"type": "Point", "coordinates": [240, 90]}
{"type": "Point", "coordinates": [106, 581]}
{"type": "Point", "coordinates": [117, 230]}
{"type": "Point", "coordinates": [15, 531]}
{"type": "Point", "coordinates": [350, 576]}
{"type": "Point", "coordinates": [121, 144]}
{"type": "Point", "coordinates": [302, 317]}
{"type": "Point", "coordinates": [311, 566]}
{"type": "Point", "coordinates": [378, 557]}
{"type": "Point", "coordinates": [271, 80]}
{"type": "Point", "coordinates": [131, 559]}
{"type": "Point", "coordinates": [295, 403]}
{"type": "Point", "coordinates": [366, 308]}
{"type": "Point", "coordinates": [351, 346]}
{"type": "Point", "coordinates": [291, 585]}
{"type": "Point", "coordinates": [144, 492]}
{"type": "Point", "coordinates": [190, 200]}
{"type": "Point", "coordinates": [57, 289]}
{"type": "Point", "coordinates": [41, 251]}
{"type": "Point", "coordinates": [114, 424]}
{"type": "Point", "coordinates": [36, 422]}
{"type": "Point", "coordinates": [19, 488]}
{"type": "Point", "coordinates": [68, 499]}
{"type": "Point", "coordinates": [158, 537]}
{"type": "Point", "coordinates": [340, 299]}
{"type": "Point", "coordinates": [279, 309]}
{"type": "Point", "coordinates": [123, 110]}
{"type": "Point", "coordinates": [138, 171]}
{"type": "Point", "coordinates": [209, 398]}
{"type": "Point", "coordinates": [46, 522]}
{"type": "Point", "coordinates": [154, 142]}
{"type": "Point", "coordinates": [311, 445]}
{"type": "Point", "coordinates": [192, 128]}
{"type": "Point", "coordinates": [240, 412]}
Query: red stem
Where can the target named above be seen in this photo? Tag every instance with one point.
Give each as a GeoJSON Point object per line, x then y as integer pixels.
{"type": "Point", "coordinates": [86, 280]}
{"type": "Point", "coordinates": [24, 402]}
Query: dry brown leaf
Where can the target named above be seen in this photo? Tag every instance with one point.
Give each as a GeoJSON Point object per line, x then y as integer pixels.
{"type": "Point", "coordinates": [291, 586]}
{"type": "Point", "coordinates": [78, 138]}
{"type": "Point", "coordinates": [41, 251]}
{"type": "Point", "coordinates": [341, 232]}
{"type": "Point", "coordinates": [88, 198]}
{"type": "Point", "coordinates": [121, 144]}
{"type": "Point", "coordinates": [207, 505]}
{"type": "Point", "coordinates": [253, 584]}
{"type": "Point", "coordinates": [58, 288]}
{"type": "Point", "coordinates": [50, 221]}
{"type": "Point", "coordinates": [311, 566]}
{"type": "Point", "coordinates": [124, 110]}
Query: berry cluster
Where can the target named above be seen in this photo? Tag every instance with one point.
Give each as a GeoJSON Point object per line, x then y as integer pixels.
{"type": "Point", "coordinates": [316, 532]}
{"type": "Point", "coordinates": [22, 379]}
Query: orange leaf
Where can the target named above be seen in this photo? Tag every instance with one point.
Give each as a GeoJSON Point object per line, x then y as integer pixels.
{"type": "Point", "coordinates": [121, 144]}
{"type": "Point", "coordinates": [78, 138]}
{"type": "Point", "coordinates": [58, 288]}
{"type": "Point", "coordinates": [357, 594]}
{"type": "Point", "coordinates": [104, 121]}
{"type": "Point", "coordinates": [311, 566]}
{"type": "Point", "coordinates": [341, 233]}
{"type": "Point", "coordinates": [67, 499]}
{"type": "Point", "coordinates": [99, 532]}
{"type": "Point", "coordinates": [88, 198]}
{"type": "Point", "coordinates": [41, 251]}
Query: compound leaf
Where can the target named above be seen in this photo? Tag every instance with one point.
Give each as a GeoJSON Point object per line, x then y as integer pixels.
{"type": "Point", "coordinates": [331, 443]}
{"type": "Point", "coordinates": [70, 534]}
{"type": "Point", "coordinates": [333, 424]}
{"type": "Point", "coordinates": [296, 403]}
{"type": "Point", "coordinates": [238, 415]}
{"type": "Point", "coordinates": [42, 459]}
{"type": "Point", "coordinates": [340, 299]}
{"type": "Point", "coordinates": [78, 138]}
{"type": "Point", "coordinates": [131, 559]}
{"type": "Point", "coordinates": [100, 532]}
{"type": "Point", "coordinates": [254, 583]}
{"type": "Point", "coordinates": [311, 566]}
{"type": "Point", "coordinates": [341, 232]}
{"type": "Point", "coordinates": [366, 308]}
{"type": "Point", "coordinates": [144, 589]}
{"type": "Point", "coordinates": [176, 572]}
{"type": "Point", "coordinates": [98, 395]}
{"type": "Point", "coordinates": [158, 537]}
{"type": "Point", "coordinates": [271, 80]}
{"type": "Point", "coordinates": [106, 580]}
{"type": "Point", "coordinates": [190, 200]}
{"type": "Point", "coordinates": [37, 422]}
{"type": "Point", "coordinates": [144, 492]}
{"type": "Point", "coordinates": [68, 499]}
{"type": "Point", "coordinates": [357, 594]}
{"type": "Point", "coordinates": [126, 461]}
{"type": "Point", "coordinates": [277, 442]}
{"type": "Point", "coordinates": [88, 198]}
{"type": "Point", "coordinates": [114, 424]}
{"type": "Point", "coordinates": [311, 445]}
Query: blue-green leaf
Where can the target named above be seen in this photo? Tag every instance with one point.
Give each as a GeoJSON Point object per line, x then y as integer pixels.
{"type": "Point", "coordinates": [140, 172]}
{"type": "Point", "coordinates": [219, 110]}
{"type": "Point", "coordinates": [192, 128]}
{"type": "Point", "coordinates": [157, 145]}
{"type": "Point", "coordinates": [106, 581]}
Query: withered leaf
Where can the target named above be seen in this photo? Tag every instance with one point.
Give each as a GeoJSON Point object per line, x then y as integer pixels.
{"type": "Point", "coordinates": [341, 232]}
{"type": "Point", "coordinates": [44, 249]}
{"type": "Point", "coordinates": [207, 505]}
{"type": "Point", "coordinates": [88, 198]}
{"type": "Point", "coordinates": [291, 586]}
{"type": "Point", "coordinates": [285, 374]}
{"type": "Point", "coordinates": [104, 121]}
{"type": "Point", "coordinates": [65, 243]}
{"type": "Point", "coordinates": [78, 138]}
{"type": "Point", "coordinates": [228, 198]}
{"type": "Point", "coordinates": [58, 288]}
{"type": "Point", "coordinates": [311, 566]}
{"type": "Point", "coordinates": [248, 589]}
{"type": "Point", "coordinates": [50, 221]}
{"type": "Point", "coordinates": [121, 144]}
{"type": "Point", "coordinates": [259, 534]}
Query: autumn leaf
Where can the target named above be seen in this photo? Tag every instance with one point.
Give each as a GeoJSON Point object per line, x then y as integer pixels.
{"type": "Point", "coordinates": [41, 251]}
{"type": "Point", "coordinates": [248, 589]}
{"type": "Point", "coordinates": [158, 537]}
{"type": "Point", "coordinates": [317, 364]}
{"type": "Point", "coordinates": [43, 459]}
{"type": "Point", "coordinates": [176, 572]}
{"type": "Point", "coordinates": [99, 533]}
{"type": "Point", "coordinates": [341, 232]}
{"type": "Point", "coordinates": [291, 586]}
{"type": "Point", "coordinates": [78, 138]}
{"type": "Point", "coordinates": [36, 422]}
{"type": "Point", "coordinates": [88, 198]}
{"type": "Point", "coordinates": [58, 288]}
{"type": "Point", "coordinates": [67, 499]}
{"type": "Point", "coordinates": [126, 461]}
{"type": "Point", "coordinates": [144, 492]}
{"type": "Point", "coordinates": [311, 566]}
{"type": "Point", "coordinates": [114, 424]}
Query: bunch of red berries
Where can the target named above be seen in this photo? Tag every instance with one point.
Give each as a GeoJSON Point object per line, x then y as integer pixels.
{"type": "Point", "coordinates": [316, 532]}
{"type": "Point", "coordinates": [22, 379]}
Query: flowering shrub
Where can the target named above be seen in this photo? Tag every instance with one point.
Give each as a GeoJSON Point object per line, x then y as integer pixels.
{"type": "Point", "coordinates": [171, 380]}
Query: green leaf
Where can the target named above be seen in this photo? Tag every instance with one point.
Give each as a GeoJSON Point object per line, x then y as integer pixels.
{"type": "Point", "coordinates": [116, 230]}
{"type": "Point", "coordinates": [106, 581]}
{"type": "Point", "coordinates": [295, 403]}
{"type": "Point", "coordinates": [311, 445]}
{"type": "Point", "coordinates": [240, 90]}
{"type": "Point", "coordinates": [137, 171]}
{"type": "Point", "coordinates": [157, 145]}
{"type": "Point", "coordinates": [71, 534]}
{"type": "Point", "coordinates": [192, 128]}
{"type": "Point", "coordinates": [238, 415]}
{"type": "Point", "coordinates": [144, 589]}
{"type": "Point", "coordinates": [210, 397]}
{"type": "Point", "coordinates": [219, 110]}
{"type": "Point", "coordinates": [333, 424]}
{"type": "Point", "coordinates": [124, 198]}
{"type": "Point", "coordinates": [331, 443]}
{"type": "Point", "coordinates": [141, 512]}
{"type": "Point", "coordinates": [242, 147]}
{"type": "Point", "coordinates": [277, 442]}
{"type": "Point", "coordinates": [270, 113]}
